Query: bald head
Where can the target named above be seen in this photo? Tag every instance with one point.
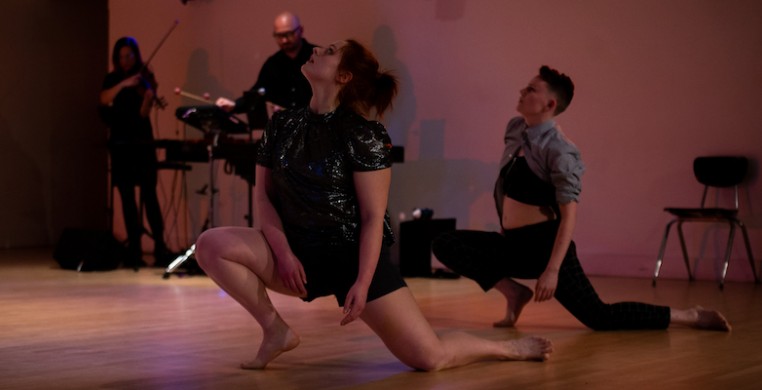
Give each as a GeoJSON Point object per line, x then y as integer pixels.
{"type": "Point", "coordinates": [287, 30]}
{"type": "Point", "coordinates": [286, 21]}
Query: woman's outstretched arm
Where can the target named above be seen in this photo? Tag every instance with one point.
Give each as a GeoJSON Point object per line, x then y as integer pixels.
{"type": "Point", "coordinates": [372, 194]}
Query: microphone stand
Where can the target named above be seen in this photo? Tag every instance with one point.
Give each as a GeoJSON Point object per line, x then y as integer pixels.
{"type": "Point", "coordinates": [216, 127]}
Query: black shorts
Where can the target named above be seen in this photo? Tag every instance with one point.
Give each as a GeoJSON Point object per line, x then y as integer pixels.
{"type": "Point", "coordinates": [333, 270]}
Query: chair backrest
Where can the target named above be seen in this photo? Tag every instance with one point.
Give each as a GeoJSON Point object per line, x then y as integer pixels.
{"type": "Point", "coordinates": [720, 171]}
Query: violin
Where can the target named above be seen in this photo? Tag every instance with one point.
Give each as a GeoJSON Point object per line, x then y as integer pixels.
{"type": "Point", "coordinates": [148, 81]}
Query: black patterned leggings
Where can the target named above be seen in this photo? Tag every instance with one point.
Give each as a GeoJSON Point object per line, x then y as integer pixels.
{"type": "Point", "coordinates": [523, 253]}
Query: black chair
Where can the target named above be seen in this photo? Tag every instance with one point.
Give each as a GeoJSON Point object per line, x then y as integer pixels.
{"type": "Point", "coordinates": [716, 172]}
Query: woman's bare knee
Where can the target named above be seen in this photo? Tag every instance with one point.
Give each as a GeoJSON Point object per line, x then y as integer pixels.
{"type": "Point", "coordinates": [427, 361]}
{"type": "Point", "coordinates": [208, 246]}
{"type": "Point", "coordinates": [420, 357]}
{"type": "Point", "coordinates": [231, 244]}
{"type": "Point", "coordinates": [398, 321]}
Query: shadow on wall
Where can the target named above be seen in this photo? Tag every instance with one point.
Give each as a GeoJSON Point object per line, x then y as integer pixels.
{"type": "Point", "coordinates": [400, 119]}
{"type": "Point", "coordinates": [190, 193]}
{"type": "Point", "coordinates": [201, 81]}
{"type": "Point", "coordinates": [22, 208]}
{"type": "Point", "coordinates": [449, 187]}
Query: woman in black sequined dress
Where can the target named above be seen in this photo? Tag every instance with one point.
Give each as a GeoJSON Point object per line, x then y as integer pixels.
{"type": "Point", "coordinates": [323, 176]}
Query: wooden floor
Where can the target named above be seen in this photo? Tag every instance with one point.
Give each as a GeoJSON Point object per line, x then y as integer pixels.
{"type": "Point", "coordinates": [125, 330]}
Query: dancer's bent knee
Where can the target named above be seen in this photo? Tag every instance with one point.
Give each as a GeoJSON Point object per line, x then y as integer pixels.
{"type": "Point", "coordinates": [208, 246]}
{"type": "Point", "coordinates": [427, 361]}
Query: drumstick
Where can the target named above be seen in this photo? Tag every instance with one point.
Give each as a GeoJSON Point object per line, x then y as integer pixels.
{"type": "Point", "coordinates": [204, 98]}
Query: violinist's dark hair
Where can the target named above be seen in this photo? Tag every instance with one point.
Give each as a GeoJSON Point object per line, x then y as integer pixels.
{"type": "Point", "coordinates": [368, 87]}
{"type": "Point", "coordinates": [560, 84]}
{"type": "Point", "coordinates": [133, 45]}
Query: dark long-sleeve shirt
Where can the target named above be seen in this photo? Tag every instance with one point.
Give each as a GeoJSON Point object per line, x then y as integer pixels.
{"type": "Point", "coordinates": [283, 83]}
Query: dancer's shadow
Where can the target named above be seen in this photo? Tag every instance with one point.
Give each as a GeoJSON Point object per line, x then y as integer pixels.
{"type": "Point", "coordinates": [199, 81]}
{"type": "Point", "coordinates": [400, 119]}
{"type": "Point", "coordinates": [452, 188]}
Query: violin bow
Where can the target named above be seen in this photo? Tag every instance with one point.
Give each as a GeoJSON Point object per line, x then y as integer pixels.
{"type": "Point", "coordinates": [161, 42]}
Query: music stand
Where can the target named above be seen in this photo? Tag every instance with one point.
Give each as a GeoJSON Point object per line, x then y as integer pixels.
{"type": "Point", "coordinates": [213, 121]}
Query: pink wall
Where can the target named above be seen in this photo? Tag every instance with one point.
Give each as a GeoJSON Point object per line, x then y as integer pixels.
{"type": "Point", "coordinates": [657, 84]}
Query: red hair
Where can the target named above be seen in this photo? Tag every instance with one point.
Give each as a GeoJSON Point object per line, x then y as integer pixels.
{"type": "Point", "coordinates": [368, 88]}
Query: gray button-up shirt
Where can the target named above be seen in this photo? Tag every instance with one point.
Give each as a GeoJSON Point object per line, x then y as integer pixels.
{"type": "Point", "coordinates": [550, 156]}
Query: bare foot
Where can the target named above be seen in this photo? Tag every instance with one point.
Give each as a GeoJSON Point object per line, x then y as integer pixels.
{"type": "Point", "coordinates": [517, 296]}
{"type": "Point", "coordinates": [528, 348]}
{"type": "Point", "coordinates": [710, 320]}
{"type": "Point", "coordinates": [274, 342]}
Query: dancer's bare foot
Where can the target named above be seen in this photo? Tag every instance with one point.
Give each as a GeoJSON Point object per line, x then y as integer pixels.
{"type": "Point", "coordinates": [517, 296]}
{"type": "Point", "coordinates": [278, 339]}
{"type": "Point", "coordinates": [710, 320]}
{"type": "Point", "coordinates": [528, 348]}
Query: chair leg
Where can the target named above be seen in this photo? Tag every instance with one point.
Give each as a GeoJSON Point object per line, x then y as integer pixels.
{"type": "Point", "coordinates": [748, 250]}
{"type": "Point", "coordinates": [662, 248]}
{"type": "Point", "coordinates": [685, 251]}
{"type": "Point", "coordinates": [728, 251]}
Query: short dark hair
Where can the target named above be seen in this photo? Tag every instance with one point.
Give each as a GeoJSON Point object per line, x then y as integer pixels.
{"type": "Point", "coordinates": [560, 84]}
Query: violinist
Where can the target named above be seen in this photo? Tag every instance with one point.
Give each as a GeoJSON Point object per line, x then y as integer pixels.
{"type": "Point", "coordinates": [126, 99]}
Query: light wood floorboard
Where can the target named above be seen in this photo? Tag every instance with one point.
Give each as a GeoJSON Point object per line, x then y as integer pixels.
{"type": "Point", "coordinates": [134, 330]}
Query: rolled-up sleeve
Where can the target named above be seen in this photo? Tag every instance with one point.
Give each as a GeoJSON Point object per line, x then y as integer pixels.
{"type": "Point", "coordinates": [566, 174]}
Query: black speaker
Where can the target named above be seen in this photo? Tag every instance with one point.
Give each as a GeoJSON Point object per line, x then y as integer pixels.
{"type": "Point", "coordinates": [415, 244]}
{"type": "Point", "coordinates": [89, 250]}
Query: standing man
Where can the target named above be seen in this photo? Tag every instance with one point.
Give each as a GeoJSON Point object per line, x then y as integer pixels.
{"type": "Point", "coordinates": [280, 84]}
